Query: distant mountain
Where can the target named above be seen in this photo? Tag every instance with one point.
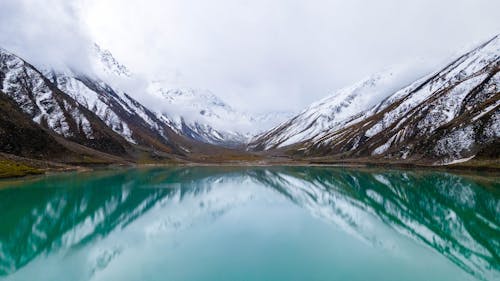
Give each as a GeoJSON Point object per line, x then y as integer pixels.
{"type": "Point", "coordinates": [449, 116]}
{"type": "Point", "coordinates": [106, 62]}
{"type": "Point", "coordinates": [202, 116]}
{"type": "Point", "coordinates": [194, 113]}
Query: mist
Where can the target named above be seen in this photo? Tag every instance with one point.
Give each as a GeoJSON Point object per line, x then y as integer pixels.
{"type": "Point", "coordinates": [256, 55]}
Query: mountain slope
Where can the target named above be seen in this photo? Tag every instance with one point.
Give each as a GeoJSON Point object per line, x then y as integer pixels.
{"type": "Point", "coordinates": [120, 112]}
{"type": "Point", "coordinates": [19, 135]}
{"type": "Point", "coordinates": [193, 113]}
{"type": "Point", "coordinates": [446, 117]}
{"type": "Point", "coordinates": [53, 109]}
{"type": "Point", "coordinates": [93, 121]}
{"type": "Point", "coordinates": [331, 112]}
{"type": "Point", "coordinates": [24, 143]}
{"type": "Point", "coordinates": [83, 109]}
{"type": "Point", "coordinates": [451, 116]}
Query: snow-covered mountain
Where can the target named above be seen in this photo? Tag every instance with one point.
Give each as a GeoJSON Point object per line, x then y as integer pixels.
{"type": "Point", "coordinates": [201, 115]}
{"type": "Point", "coordinates": [95, 107]}
{"type": "Point", "coordinates": [19, 135]}
{"type": "Point", "coordinates": [120, 112]}
{"type": "Point", "coordinates": [331, 112]}
{"type": "Point", "coordinates": [106, 62]}
{"type": "Point", "coordinates": [195, 113]}
{"type": "Point", "coordinates": [83, 107]}
{"type": "Point", "coordinates": [53, 109]}
{"type": "Point", "coordinates": [449, 116]}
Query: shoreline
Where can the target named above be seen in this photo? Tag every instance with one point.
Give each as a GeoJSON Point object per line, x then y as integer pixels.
{"type": "Point", "coordinates": [461, 168]}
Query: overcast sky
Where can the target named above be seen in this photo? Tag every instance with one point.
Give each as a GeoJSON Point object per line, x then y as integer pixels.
{"type": "Point", "coordinates": [258, 55]}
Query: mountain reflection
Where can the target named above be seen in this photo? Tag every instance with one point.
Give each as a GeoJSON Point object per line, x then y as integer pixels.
{"type": "Point", "coordinates": [457, 216]}
{"type": "Point", "coordinates": [69, 211]}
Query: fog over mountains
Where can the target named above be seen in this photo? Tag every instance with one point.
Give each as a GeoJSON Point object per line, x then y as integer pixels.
{"type": "Point", "coordinates": [250, 87]}
{"type": "Point", "coordinates": [445, 117]}
{"type": "Point", "coordinates": [449, 115]}
{"type": "Point", "coordinates": [259, 56]}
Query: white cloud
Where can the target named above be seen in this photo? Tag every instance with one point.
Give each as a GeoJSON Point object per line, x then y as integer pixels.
{"type": "Point", "coordinates": [258, 55]}
{"type": "Point", "coordinates": [44, 32]}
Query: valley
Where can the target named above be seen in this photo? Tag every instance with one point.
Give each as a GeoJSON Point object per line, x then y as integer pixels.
{"type": "Point", "coordinates": [54, 119]}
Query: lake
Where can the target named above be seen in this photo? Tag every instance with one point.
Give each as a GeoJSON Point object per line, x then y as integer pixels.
{"type": "Point", "coordinates": [253, 223]}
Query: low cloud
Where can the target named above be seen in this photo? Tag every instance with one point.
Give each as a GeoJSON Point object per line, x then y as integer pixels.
{"type": "Point", "coordinates": [283, 54]}
{"type": "Point", "coordinates": [257, 55]}
{"type": "Point", "coordinates": [45, 32]}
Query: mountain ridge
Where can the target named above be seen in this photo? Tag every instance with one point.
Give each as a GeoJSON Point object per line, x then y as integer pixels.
{"type": "Point", "coordinates": [465, 92]}
{"type": "Point", "coordinates": [448, 117]}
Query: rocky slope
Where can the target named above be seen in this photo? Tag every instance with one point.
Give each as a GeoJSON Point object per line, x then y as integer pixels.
{"type": "Point", "coordinates": [21, 136]}
{"type": "Point", "coordinates": [199, 115]}
{"type": "Point", "coordinates": [52, 109]}
{"type": "Point", "coordinates": [449, 116]}
{"type": "Point", "coordinates": [330, 113]}
{"type": "Point", "coordinates": [76, 117]}
{"type": "Point", "coordinates": [82, 113]}
{"type": "Point", "coordinates": [194, 113]}
{"type": "Point", "coordinates": [120, 112]}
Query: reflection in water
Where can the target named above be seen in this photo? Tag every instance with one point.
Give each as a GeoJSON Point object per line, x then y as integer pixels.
{"type": "Point", "coordinates": [456, 216]}
{"type": "Point", "coordinates": [453, 215]}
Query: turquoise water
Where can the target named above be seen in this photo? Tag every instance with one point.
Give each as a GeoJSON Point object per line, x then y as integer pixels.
{"type": "Point", "coordinates": [280, 223]}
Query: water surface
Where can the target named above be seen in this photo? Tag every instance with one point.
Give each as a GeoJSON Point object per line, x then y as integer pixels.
{"type": "Point", "coordinates": [280, 223]}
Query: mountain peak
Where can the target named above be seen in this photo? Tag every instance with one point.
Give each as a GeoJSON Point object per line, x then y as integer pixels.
{"type": "Point", "coordinates": [109, 64]}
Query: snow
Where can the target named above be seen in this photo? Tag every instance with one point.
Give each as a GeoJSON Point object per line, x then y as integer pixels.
{"type": "Point", "coordinates": [456, 143]}
{"type": "Point", "coordinates": [448, 106]}
{"type": "Point", "coordinates": [106, 63]}
{"type": "Point", "coordinates": [419, 109]}
{"type": "Point", "coordinates": [146, 115]}
{"type": "Point", "coordinates": [456, 161]}
{"type": "Point", "coordinates": [452, 75]}
{"type": "Point", "coordinates": [82, 122]}
{"type": "Point", "coordinates": [383, 148]}
{"type": "Point", "coordinates": [492, 130]}
{"type": "Point", "coordinates": [94, 102]}
{"type": "Point", "coordinates": [486, 111]}
{"type": "Point", "coordinates": [195, 113]}
{"type": "Point", "coordinates": [337, 110]}
{"type": "Point", "coordinates": [38, 102]}
{"type": "Point", "coordinates": [204, 116]}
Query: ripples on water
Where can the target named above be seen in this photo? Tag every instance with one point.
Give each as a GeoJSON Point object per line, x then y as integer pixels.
{"type": "Point", "coordinates": [288, 223]}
